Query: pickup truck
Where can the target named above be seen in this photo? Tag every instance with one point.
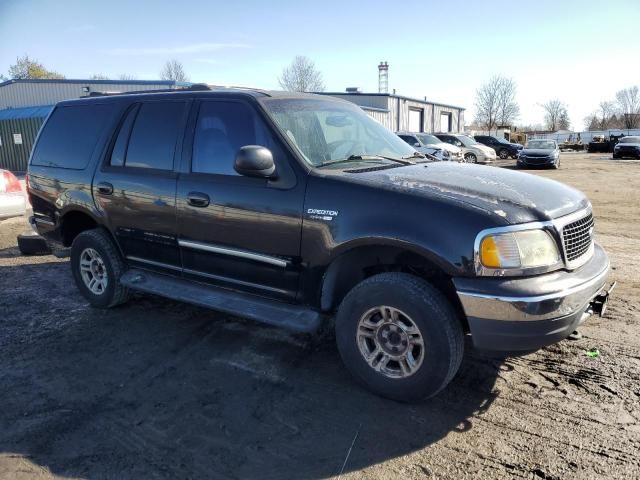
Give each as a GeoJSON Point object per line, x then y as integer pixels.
{"type": "Point", "coordinates": [302, 212]}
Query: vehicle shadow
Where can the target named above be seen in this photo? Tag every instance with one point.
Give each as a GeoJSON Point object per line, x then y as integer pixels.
{"type": "Point", "coordinates": [159, 389]}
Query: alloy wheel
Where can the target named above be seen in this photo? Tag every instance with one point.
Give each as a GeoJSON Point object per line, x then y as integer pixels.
{"type": "Point", "coordinates": [390, 342]}
{"type": "Point", "coordinates": [93, 271]}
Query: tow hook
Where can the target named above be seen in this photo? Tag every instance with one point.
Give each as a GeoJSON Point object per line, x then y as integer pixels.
{"type": "Point", "coordinates": [599, 303]}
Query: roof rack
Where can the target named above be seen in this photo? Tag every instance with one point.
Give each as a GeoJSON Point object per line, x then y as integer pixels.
{"type": "Point", "coordinates": [196, 87]}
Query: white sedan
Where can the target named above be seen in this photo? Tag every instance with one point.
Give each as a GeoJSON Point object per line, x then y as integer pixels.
{"type": "Point", "coordinates": [12, 199]}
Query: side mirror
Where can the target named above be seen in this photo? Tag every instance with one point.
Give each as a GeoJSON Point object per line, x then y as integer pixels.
{"type": "Point", "coordinates": [417, 144]}
{"type": "Point", "coordinates": [255, 161]}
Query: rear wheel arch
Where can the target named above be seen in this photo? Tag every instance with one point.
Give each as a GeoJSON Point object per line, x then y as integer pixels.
{"type": "Point", "coordinates": [74, 222]}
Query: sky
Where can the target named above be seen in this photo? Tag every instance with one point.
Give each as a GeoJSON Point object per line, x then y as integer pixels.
{"type": "Point", "coordinates": [580, 52]}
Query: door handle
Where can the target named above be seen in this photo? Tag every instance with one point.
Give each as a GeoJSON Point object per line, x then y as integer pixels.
{"type": "Point", "coordinates": [105, 188]}
{"type": "Point", "coordinates": [198, 199]}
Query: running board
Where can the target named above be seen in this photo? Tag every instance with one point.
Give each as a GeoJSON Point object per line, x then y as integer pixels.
{"type": "Point", "coordinates": [291, 317]}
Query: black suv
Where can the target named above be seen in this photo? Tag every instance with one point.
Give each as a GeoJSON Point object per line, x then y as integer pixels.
{"type": "Point", "coordinates": [503, 148]}
{"type": "Point", "coordinates": [299, 210]}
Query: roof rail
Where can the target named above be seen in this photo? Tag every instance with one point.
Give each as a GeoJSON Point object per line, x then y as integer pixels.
{"type": "Point", "coordinates": [196, 87]}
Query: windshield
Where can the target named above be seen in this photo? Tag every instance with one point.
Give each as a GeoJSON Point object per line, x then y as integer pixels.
{"type": "Point", "coordinates": [501, 140]}
{"type": "Point", "coordinates": [630, 140]}
{"type": "Point", "coordinates": [466, 141]}
{"type": "Point", "coordinates": [541, 144]}
{"type": "Point", "coordinates": [428, 139]}
{"type": "Point", "coordinates": [326, 131]}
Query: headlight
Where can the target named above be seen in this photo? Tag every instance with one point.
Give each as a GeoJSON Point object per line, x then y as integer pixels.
{"type": "Point", "coordinates": [518, 250]}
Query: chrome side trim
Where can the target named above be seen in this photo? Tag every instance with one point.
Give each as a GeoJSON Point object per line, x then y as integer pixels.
{"type": "Point", "coordinates": [154, 263]}
{"type": "Point", "coordinates": [278, 262]}
{"type": "Point", "coordinates": [42, 220]}
{"type": "Point", "coordinates": [234, 281]}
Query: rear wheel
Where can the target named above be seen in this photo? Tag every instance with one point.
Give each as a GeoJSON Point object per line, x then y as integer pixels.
{"type": "Point", "coordinates": [97, 266]}
{"type": "Point", "coordinates": [399, 336]}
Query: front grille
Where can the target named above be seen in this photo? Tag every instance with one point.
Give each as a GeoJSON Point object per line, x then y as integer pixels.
{"type": "Point", "coordinates": [578, 237]}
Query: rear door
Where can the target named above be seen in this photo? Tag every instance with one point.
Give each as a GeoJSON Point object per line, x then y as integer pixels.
{"type": "Point", "coordinates": [136, 186]}
{"type": "Point", "coordinates": [235, 231]}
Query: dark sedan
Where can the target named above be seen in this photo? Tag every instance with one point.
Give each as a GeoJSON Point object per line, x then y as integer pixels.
{"type": "Point", "coordinates": [539, 153]}
{"type": "Point", "coordinates": [503, 148]}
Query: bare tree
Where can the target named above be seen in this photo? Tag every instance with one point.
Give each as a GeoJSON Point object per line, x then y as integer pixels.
{"type": "Point", "coordinates": [98, 76]}
{"type": "Point", "coordinates": [173, 70]}
{"type": "Point", "coordinates": [126, 76]}
{"type": "Point", "coordinates": [496, 103]}
{"type": "Point", "coordinates": [629, 104]}
{"type": "Point", "coordinates": [301, 76]}
{"type": "Point", "coordinates": [556, 116]}
{"type": "Point", "coordinates": [607, 113]}
{"type": "Point", "coordinates": [508, 109]}
{"type": "Point", "coordinates": [25, 68]}
{"type": "Point", "coordinates": [592, 121]}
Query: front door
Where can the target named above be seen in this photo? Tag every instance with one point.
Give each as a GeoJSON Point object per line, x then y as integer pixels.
{"type": "Point", "coordinates": [136, 186]}
{"type": "Point", "coordinates": [235, 231]}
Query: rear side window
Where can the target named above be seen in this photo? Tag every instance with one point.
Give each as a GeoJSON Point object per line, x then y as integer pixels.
{"type": "Point", "coordinates": [120, 147]}
{"type": "Point", "coordinates": [70, 136]}
{"type": "Point", "coordinates": [153, 138]}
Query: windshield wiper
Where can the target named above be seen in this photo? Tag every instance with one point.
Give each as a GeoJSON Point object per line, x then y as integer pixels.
{"type": "Point", "coordinates": [424, 156]}
{"type": "Point", "coordinates": [351, 158]}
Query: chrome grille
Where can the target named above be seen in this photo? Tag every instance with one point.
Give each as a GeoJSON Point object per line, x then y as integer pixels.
{"type": "Point", "coordinates": [578, 237]}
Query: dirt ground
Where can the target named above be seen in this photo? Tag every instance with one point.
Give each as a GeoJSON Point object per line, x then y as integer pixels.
{"type": "Point", "coordinates": [161, 390]}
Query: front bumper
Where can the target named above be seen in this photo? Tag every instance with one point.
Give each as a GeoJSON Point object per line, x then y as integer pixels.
{"type": "Point", "coordinates": [537, 161]}
{"type": "Point", "coordinates": [528, 313]}
{"type": "Point", "coordinates": [484, 157]}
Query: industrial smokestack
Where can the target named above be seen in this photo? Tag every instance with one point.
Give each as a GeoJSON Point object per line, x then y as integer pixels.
{"type": "Point", "coordinates": [383, 77]}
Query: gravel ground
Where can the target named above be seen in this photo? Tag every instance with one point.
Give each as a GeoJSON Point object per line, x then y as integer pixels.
{"type": "Point", "coordinates": [158, 389]}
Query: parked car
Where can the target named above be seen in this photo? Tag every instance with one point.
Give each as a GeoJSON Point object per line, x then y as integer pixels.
{"type": "Point", "coordinates": [12, 199]}
{"type": "Point", "coordinates": [472, 151]}
{"type": "Point", "coordinates": [627, 147]}
{"type": "Point", "coordinates": [290, 209]}
{"type": "Point", "coordinates": [423, 142]}
{"type": "Point", "coordinates": [540, 153]}
{"type": "Point", "coordinates": [502, 148]}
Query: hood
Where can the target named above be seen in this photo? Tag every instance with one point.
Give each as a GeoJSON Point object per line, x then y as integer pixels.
{"type": "Point", "coordinates": [448, 147]}
{"type": "Point", "coordinates": [484, 148]}
{"type": "Point", "coordinates": [537, 152]}
{"type": "Point", "coordinates": [515, 197]}
{"type": "Point", "coordinates": [635, 144]}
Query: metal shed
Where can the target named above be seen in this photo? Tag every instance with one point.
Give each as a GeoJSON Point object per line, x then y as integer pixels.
{"type": "Point", "coordinates": [400, 113]}
{"type": "Point", "coordinates": [18, 130]}
{"type": "Point", "coordinates": [29, 93]}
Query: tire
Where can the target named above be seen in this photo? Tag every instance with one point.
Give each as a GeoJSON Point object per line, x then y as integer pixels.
{"type": "Point", "coordinates": [96, 249]}
{"type": "Point", "coordinates": [32, 244]}
{"type": "Point", "coordinates": [503, 153]}
{"type": "Point", "coordinates": [557, 165]}
{"type": "Point", "coordinates": [412, 301]}
{"type": "Point", "coordinates": [471, 158]}
{"type": "Point", "coordinates": [615, 157]}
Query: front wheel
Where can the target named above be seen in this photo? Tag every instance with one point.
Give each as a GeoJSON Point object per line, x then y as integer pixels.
{"type": "Point", "coordinates": [97, 266]}
{"type": "Point", "coordinates": [399, 336]}
{"type": "Point", "coordinates": [503, 153]}
{"type": "Point", "coordinates": [471, 158]}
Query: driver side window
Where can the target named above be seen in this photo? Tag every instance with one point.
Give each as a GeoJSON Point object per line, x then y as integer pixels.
{"type": "Point", "coordinates": [221, 129]}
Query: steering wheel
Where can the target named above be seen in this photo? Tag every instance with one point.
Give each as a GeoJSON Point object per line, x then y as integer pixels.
{"type": "Point", "coordinates": [344, 148]}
